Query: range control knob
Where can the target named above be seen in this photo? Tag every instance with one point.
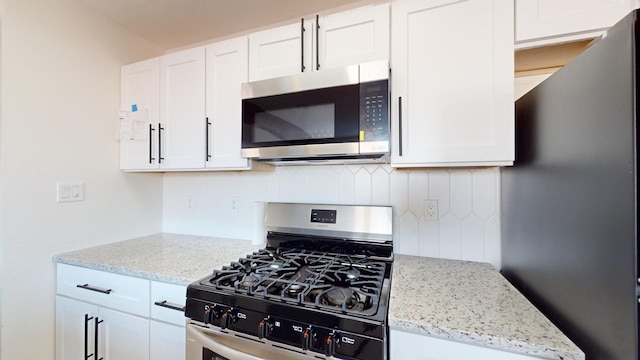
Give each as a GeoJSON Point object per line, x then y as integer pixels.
{"type": "Point", "coordinates": [265, 328]}
{"type": "Point", "coordinates": [211, 313]}
{"type": "Point", "coordinates": [228, 318]}
{"type": "Point", "coordinates": [331, 344]}
{"type": "Point", "coordinates": [307, 338]}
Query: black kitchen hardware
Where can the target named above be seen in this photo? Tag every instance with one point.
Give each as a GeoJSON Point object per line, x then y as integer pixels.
{"type": "Point", "coordinates": [160, 158]}
{"type": "Point", "coordinates": [87, 318]}
{"type": "Point", "coordinates": [207, 128]}
{"type": "Point", "coordinates": [151, 130]}
{"type": "Point", "coordinates": [94, 288]}
{"type": "Point", "coordinates": [317, 42]}
{"type": "Point", "coordinates": [96, 335]}
{"type": "Point", "coordinates": [169, 305]}
{"type": "Point", "coordinates": [320, 287]}
{"type": "Point", "coordinates": [302, 30]}
{"type": "Point", "coordinates": [400, 126]}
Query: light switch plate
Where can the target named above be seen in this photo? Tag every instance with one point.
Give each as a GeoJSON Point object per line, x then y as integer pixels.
{"type": "Point", "coordinates": [70, 191]}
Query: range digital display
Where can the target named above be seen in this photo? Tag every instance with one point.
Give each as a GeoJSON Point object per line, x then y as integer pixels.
{"type": "Point", "coordinates": [323, 216]}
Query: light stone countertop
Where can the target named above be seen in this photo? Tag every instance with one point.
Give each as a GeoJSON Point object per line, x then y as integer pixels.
{"type": "Point", "coordinates": [171, 258]}
{"type": "Point", "coordinates": [461, 301]}
{"type": "Point", "coordinates": [472, 303]}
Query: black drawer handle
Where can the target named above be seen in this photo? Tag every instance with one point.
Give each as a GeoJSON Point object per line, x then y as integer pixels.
{"type": "Point", "coordinates": [168, 305]}
{"type": "Point", "coordinates": [94, 288]}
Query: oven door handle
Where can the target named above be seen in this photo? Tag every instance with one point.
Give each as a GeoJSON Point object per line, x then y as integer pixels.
{"type": "Point", "coordinates": [198, 335]}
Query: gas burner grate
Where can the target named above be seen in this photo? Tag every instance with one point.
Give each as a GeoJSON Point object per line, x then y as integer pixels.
{"type": "Point", "coordinates": [331, 281]}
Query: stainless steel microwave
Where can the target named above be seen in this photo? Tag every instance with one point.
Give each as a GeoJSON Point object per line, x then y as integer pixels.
{"type": "Point", "coordinates": [330, 116]}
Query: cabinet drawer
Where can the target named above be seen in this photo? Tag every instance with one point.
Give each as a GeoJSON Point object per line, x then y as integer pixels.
{"type": "Point", "coordinates": [167, 302]}
{"type": "Point", "coordinates": [115, 291]}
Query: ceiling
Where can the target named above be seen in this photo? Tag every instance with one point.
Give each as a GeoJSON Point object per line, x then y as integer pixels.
{"type": "Point", "coordinates": [173, 24]}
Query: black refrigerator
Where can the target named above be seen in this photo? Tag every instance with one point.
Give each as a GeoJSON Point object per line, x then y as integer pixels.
{"type": "Point", "coordinates": [570, 202]}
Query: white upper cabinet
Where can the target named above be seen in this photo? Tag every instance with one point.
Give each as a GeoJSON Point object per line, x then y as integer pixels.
{"type": "Point", "coordinates": [352, 37]}
{"type": "Point", "coordinates": [280, 51]}
{"type": "Point", "coordinates": [452, 83]}
{"type": "Point", "coordinates": [182, 110]}
{"type": "Point", "coordinates": [227, 68]}
{"type": "Point", "coordinates": [543, 22]}
{"type": "Point", "coordinates": [140, 90]}
{"type": "Point", "coordinates": [345, 38]}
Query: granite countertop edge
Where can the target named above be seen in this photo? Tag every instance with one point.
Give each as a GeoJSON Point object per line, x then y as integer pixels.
{"type": "Point", "coordinates": [472, 303]}
{"type": "Point", "coordinates": [61, 259]}
{"type": "Point", "coordinates": [469, 338]}
{"type": "Point", "coordinates": [165, 257]}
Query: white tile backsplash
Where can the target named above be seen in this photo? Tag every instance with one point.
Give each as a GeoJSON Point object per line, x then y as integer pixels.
{"type": "Point", "coordinates": [468, 225]}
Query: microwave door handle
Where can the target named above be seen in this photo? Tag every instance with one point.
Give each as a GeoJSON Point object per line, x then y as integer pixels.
{"type": "Point", "coordinates": [302, 45]}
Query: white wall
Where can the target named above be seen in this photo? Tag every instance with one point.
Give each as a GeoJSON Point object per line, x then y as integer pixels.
{"type": "Point", "coordinates": [468, 199]}
{"type": "Point", "coordinates": [59, 97]}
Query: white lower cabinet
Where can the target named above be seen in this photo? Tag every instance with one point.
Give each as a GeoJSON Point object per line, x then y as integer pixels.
{"type": "Point", "coordinates": [121, 336]}
{"type": "Point", "coordinates": [404, 345]}
{"type": "Point", "coordinates": [120, 317]}
{"type": "Point", "coordinates": [167, 341]}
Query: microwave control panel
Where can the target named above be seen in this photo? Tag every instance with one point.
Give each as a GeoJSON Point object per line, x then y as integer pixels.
{"type": "Point", "coordinates": [374, 111]}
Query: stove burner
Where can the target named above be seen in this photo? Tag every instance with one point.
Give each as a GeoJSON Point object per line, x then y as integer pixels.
{"type": "Point", "coordinates": [339, 296]}
{"type": "Point", "coordinates": [249, 280]}
{"type": "Point", "coordinates": [352, 273]}
{"type": "Point", "coordinates": [276, 264]}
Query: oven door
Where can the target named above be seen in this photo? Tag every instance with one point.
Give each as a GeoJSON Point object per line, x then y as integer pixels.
{"type": "Point", "coordinates": [213, 344]}
{"type": "Point", "coordinates": [317, 122]}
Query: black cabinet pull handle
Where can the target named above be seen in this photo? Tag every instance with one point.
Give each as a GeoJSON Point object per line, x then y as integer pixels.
{"type": "Point", "coordinates": [95, 288]}
{"type": "Point", "coordinates": [95, 351]}
{"type": "Point", "coordinates": [151, 130]}
{"type": "Point", "coordinates": [317, 42]}
{"type": "Point", "coordinates": [160, 158]}
{"type": "Point", "coordinates": [206, 140]}
{"type": "Point", "coordinates": [87, 318]}
{"type": "Point", "coordinates": [302, 68]}
{"type": "Point", "coordinates": [168, 305]}
{"type": "Point", "coordinates": [400, 126]}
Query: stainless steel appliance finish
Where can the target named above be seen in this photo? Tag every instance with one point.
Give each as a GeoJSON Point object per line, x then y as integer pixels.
{"type": "Point", "coordinates": [357, 223]}
{"type": "Point", "coordinates": [330, 116]}
{"type": "Point", "coordinates": [349, 75]}
{"type": "Point", "coordinates": [319, 289]}
{"type": "Point", "coordinates": [570, 204]}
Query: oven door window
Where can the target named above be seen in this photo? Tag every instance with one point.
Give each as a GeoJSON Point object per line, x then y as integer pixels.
{"type": "Point", "coordinates": [210, 355]}
{"type": "Point", "coordinates": [329, 115]}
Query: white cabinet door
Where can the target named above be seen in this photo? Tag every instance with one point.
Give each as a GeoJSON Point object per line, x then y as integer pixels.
{"type": "Point", "coordinates": [227, 67]}
{"type": "Point", "coordinates": [167, 341]}
{"type": "Point", "coordinates": [280, 51]}
{"type": "Point", "coordinates": [122, 336]}
{"type": "Point", "coordinates": [352, 37]}
{"type": "Point", "coordinates": [404, 345]}
{"type": "Point", "coordinates": [140, 89]}
{"type": "Point", "coordinates": [568, 19]}
{"type": "Point", "coordinates": [72, 317]}
{"type": "Point", "coordinates": [182, 115]}
{"type": "Point", "coordinates": [452, 64]}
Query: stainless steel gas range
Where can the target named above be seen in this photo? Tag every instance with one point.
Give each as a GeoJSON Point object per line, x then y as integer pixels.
{"type": "Point", "coordinates": [319, 289]}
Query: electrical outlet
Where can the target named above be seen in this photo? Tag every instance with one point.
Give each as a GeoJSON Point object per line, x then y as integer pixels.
{"type": "Point", "coordinates": [235, 204]}
{"type": "Point", "coordinates": [431, 210]}
{"type": "Point", "coordinates": [190, 204]}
